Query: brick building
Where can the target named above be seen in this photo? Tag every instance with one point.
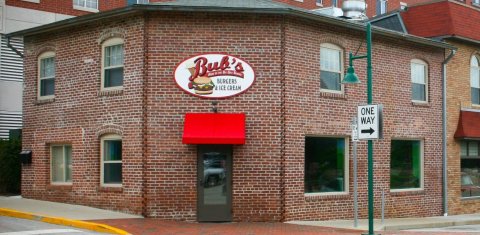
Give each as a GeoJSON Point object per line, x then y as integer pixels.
{"type": "Point", "coordinates": [455, 23]}
{"type": "Point", "coordinates": [127, 128]}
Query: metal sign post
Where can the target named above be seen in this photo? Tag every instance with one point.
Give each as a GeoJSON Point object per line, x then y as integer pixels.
{"type": "Point", "coordinates": [355, 189]}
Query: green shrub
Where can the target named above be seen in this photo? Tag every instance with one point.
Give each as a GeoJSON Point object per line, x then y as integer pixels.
{"type": "Point", "coordinates": [10, 168]}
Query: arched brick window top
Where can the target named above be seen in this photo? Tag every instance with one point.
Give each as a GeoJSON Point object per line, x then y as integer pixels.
{"type": "Point", "coordinates": [109, 129]}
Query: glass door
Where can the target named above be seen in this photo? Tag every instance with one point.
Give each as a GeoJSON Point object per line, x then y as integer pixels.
{"type": "Point", "coordinates": [214, 183]}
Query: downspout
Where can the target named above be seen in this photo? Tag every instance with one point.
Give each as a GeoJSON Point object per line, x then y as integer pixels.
{"type": "Point", "coordinates": [444, 132]}
{"type": "Point", "coordinates": [9, 45]}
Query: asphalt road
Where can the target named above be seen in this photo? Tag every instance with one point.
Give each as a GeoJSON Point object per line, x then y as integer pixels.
{"type": "Point", "coordinates": [14, 226]}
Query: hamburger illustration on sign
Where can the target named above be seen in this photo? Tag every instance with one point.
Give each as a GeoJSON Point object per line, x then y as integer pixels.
{"type": "Point", "coordinates": [214, 75]}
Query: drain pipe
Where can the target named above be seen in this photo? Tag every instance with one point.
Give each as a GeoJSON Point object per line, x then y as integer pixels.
{"type": "Point", "coordinates": [9, 45]}
{"type": "Point", "coordinates": [444, 134]}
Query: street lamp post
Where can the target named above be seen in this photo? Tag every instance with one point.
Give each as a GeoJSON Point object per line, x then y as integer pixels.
{"type": "Point", "coordinates": [351, 77]}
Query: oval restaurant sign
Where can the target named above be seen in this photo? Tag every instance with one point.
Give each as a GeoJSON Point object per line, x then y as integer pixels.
{"type": "Point", "coordinates": [214, 75]}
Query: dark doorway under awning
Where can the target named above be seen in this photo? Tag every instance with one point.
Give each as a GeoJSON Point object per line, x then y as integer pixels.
{"type": "Point", "coordinates": [214, 128]}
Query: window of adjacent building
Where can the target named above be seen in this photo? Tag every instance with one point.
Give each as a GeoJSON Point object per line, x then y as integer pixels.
{"type": "Point", "coordinates": [112, 64]}
{"type": "Point", "coordinates": [419, 75]}
{"type": "Point", "coordinates": [334, 3]}
{"type": "Point", "coordinates": [319, 2]}
{"type": "Point", "coordinates": [381, 7]}
{"type": "Point", "coordinates": [111, 151]}
{"type": "Point", "coordinates": [470, 168]}
{"type": "Point", "coordinates": [131, 2]}
{"type": "Point", "coordinates": [61, 164]}
{"type": "Point", "coordinates": [326, 165]}
{"type": "Point", "coordinates": [476, 2]}
{"type": "Point", "coordinates": [406, 164]}
{"type": "Point", "coordinates": [475, 79]}
{"type": "Point", "coordinates": [85, 4]}
{"type": "Point", "coordinates": [331, 67]}
{"type": "Point", "coordinates": [46, 75]}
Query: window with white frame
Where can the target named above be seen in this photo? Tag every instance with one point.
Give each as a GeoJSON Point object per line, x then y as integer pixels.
{"type": "Point", "coordinates": [111, 160]}
{"type": "Point", "coordinates": [475, 79]}
{"type": "Point", "coordinates": [85, 4]}
{"type": "Point", "coordinates": [112, 64]}
{"type": "Point", "coordinates": [61, 164]}
{"type": "Point", "coordinates": [383, 7]}
{"type": "Point", "coordinates": [419, 76]}
{"type": "Point", "coordinates": [131, 2]}
{"type": "Point", "coordinates": [319, 2]}
{"type": "Point", "coordinates": [46, 75]}
{"type": "Point", "coordinates": [476, 2]}
{"type": "Point", "coordinates": [326, 165]}
{"type": "Point", "coordinates": [406, 165]}
{"type": "Point", "coordinates": [470, 168]}
{"type": "Point", "coordinates": [331, 67]}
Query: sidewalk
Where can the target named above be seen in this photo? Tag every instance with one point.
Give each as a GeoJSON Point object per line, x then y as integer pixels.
{"type": "Point", "coordinates": [122, 223]}
{"type": "Point", "coordinates": [399, 223]}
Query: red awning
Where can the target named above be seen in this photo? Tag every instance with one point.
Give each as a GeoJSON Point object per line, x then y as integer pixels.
{"type": "Point", "coordinates": [468, 125]}
{"type": "Point", "coordinates": [214, 128]}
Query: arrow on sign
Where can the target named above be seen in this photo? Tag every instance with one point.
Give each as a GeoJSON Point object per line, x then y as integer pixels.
{"type": "Point", "coordinates": [368, 131]}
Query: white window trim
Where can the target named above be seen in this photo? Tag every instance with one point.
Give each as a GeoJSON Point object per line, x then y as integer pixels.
{"type": "Point", "coordinates": [102, 179]}
{"type": "Point", "coordinates": [422, 174]}
{"type": "Point", "coordinates": [334, 47]}
{"type": "Point", "coordinates": [45, 55]}
{"type": "Point", "coordinates": [107, 43]}
{"type": "Point", "coordinates": [34, 1]}
{"type": "Point", "coordinates": [346, 171]}
{"type": "Point", "coordinates": [82, 8]}
{"type": "Point", "coordinates": [51, 161]}
{"type": "Point", "coordinates": [138, 2]}
{"type": "Point", "coordinates": [423, 63]}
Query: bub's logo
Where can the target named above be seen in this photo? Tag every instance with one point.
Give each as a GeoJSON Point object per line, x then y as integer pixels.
{"type": "Point", "coordinates": [214, 75]}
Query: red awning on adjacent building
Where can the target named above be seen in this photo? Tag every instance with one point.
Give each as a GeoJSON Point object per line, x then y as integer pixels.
{"type": "Point", "coordinates": [468, 125]}
{"type": "Point", "coordinates": [214, 128]}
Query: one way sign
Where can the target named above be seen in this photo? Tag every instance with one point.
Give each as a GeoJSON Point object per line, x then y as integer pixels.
{"type": "Point", "coordinates": [369, 119]}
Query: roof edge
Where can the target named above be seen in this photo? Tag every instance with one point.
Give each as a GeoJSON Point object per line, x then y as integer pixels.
{"type": "Point", "coordinates": [306, 14]}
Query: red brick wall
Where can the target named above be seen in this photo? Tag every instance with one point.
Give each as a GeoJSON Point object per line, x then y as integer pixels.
{"type": "Point", "coordinates": [458, 97]}
{"type": "Point", "coordinates": [171, 177]}
{"type": "Point", "coordinates": [312, 112]}
{"type": "Point", "coordinates": [79, 115]}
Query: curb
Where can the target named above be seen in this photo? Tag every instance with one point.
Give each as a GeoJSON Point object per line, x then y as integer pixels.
{"type": "Point", "coordinates": [63, 221]}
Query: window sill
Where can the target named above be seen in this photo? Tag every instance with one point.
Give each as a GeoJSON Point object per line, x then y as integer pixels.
{"type": "Point", "coordinates": [421, 104]}
{"type": "Point", "coordinates": [110, 189]}
{"type": "Point", "coordinates": [470, 198]}
{"type": "Point", "coordinates": [311, 197]}
{"type": "Point", "coordinates": [45, 100]}
{"type": "Point", "coordinates": [333, 95]}
{"type": "Point", "coordinates": [112, 92]}
{"type": "Point", "coordinates": [34, 1]}
{"type": "Point", "coordinates": [407, 192]}
{"type": "Point", "coordinates": [59, 187]}
{"type": "Point", "coordinates": [85, 9]}
{"type": "Point", "coordinates": [477, 5]}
